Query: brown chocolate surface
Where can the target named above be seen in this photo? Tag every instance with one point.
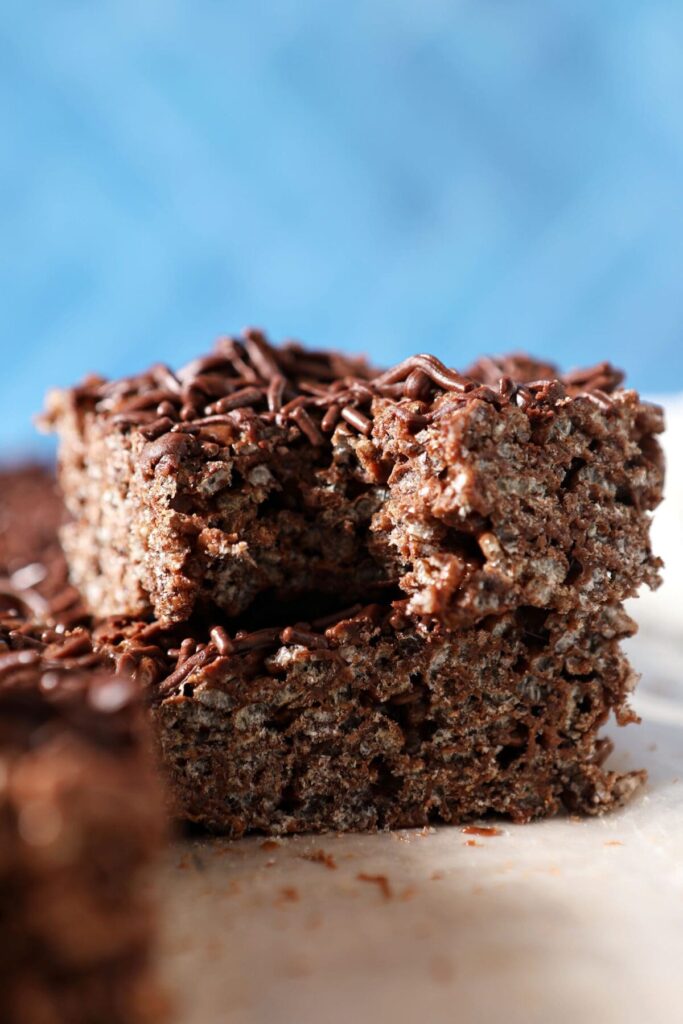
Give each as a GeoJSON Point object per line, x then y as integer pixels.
{"type": "Point", "coordinates": [260, 475]}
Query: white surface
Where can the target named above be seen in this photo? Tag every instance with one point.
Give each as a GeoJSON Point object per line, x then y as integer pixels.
{"type": "Point", "coordinates": [561, 921]}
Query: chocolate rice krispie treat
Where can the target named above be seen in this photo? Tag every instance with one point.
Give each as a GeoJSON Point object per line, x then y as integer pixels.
{"type": "Point", "coordinates": [257, 474]}
{"type": "Point", "coordinates": [369, 720]}
{"type": "Point", "coordinates": [487, 525]}
{"type": "Point", "coordinates": [80, 826]}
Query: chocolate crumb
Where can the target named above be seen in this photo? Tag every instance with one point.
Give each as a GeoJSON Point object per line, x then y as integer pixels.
{"type": "Point", "coordinates": [482, 830]}
{"type": "Point", "coordinates": [321, 857]}
{"type": "Point", "coordinates": [381, 881]}
{"type": "Point", "coordinates": [288, 894]}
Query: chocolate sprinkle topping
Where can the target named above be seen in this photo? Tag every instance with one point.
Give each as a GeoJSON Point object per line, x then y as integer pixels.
{"type": "Point", "coordinates": [314, 391]}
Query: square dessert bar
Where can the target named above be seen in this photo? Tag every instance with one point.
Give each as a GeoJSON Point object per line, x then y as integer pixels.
{"type": "Point", "coordinates": [371, 717]}
{"type": "Point", "coordinates": [373, 720]}
{"type": "Point", "coordinates": [79, 829]}
{"type": "Point", "coordinates": [258, 474]}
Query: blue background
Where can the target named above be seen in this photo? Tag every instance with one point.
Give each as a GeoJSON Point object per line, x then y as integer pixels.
{"type": "Point", "coordinates": [458, 176]}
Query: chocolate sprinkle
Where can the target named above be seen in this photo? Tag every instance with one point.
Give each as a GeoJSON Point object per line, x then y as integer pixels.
{"type": "Point", "coordinates": [357, 419]}
{"type": "Point", "coordinates": [299, 634]}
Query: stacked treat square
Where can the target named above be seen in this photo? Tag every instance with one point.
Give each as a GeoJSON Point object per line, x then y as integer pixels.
{"type": "Point", "coordinates": [360, 600]}
{"type": "Point", "coordinates": [336, 599]}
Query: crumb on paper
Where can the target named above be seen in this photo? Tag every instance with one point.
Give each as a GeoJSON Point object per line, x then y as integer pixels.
{"type": "Point", "coordinates": [482, 830]}
{"type": "Point", "coordinates": [320, 857]}
{"type": "Point", "coordinates": [472, 842]}
{"type": "Point", "coordinates": [436, 876]}
{"type": "Point", "coordinates": [613, 842]}
{"type": "Point", "coordinates": [221, 847]}
{"type": "Point", "coordinates": [288, 894]}
{"type": "Point", "coordinates": [270, 844]}
{"type": "Point", "coordinates": [381, 881]}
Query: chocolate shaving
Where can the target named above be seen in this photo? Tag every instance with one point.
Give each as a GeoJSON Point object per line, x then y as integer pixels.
{"type": "Point", "coordinates": [602, 375]}
{"type": "Point", "coordinates": [252, 641]}
{"type": "Point", "coordinates": [299, 634]}
{"type": "Point", "coordinates": [331, 418]}
{"type": "Point", "coordinates": [74, 646]}
{"type": "Point", "coordinates": [221, 639]}
{"type": "Point", "coordinates": [276, 390]}
{"type": "Point", "coordinates": [187, 649]}
{"type": "Point", "coordinates": [238, 399]}
{"type": "Point", "coordinates": [164, 376]}
{"type": "Point", "coordinates": [307, 426]}
{"type": "Point", "coordinates": [357, 419]}
{"type": "Point", "coordinates": [432, 367]}
{"type": "Point", "coordinates": [147, 400]}
{"type": "Point", "coordinates": [156, 428]}
{"type": "Point", "coordinates": [261, 354]}
{"type": "Point", "coordinates": [182, 671]}
{"type": "Point", "coordinates": [417, 385]}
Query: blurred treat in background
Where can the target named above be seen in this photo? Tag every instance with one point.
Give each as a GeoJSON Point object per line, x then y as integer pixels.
{"type": "Point", "coordinates": [33, 569]}
{"type": "Point", "coordinates": [30, 515]}
{"type": "Point", "coordinates": [80, 802]}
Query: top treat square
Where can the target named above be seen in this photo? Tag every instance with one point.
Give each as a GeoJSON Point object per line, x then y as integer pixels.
{"type": "Point", "coordinates": [260, 473]}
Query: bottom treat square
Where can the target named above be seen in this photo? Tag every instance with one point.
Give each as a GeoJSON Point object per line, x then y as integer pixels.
{"type": "Point", "coordinates": [375, 722]}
